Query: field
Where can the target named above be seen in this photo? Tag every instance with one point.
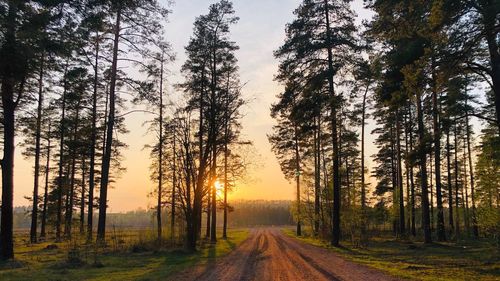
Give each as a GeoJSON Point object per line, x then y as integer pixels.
{"type": "Point", "coordinates": [467, 260]}
{"type": "Point", "coordinates": [129, 255]}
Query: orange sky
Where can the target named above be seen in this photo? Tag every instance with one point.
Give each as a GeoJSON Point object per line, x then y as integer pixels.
{"type": "Point", "coordinates": [259, 32]}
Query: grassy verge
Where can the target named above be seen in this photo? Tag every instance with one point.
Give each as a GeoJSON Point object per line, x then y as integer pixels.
{"type": "Point", "coordinates": [49, 261]}
{"type": "Point", "coordinates": [413, 260]}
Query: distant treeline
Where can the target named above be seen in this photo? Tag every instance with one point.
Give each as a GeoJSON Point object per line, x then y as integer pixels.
{"type": "Point", "coordinates": [261, 212]}
{"type": "Point", "coordinates": [244, 213]}
{"type": "Point", "coordinates": [140, 218]}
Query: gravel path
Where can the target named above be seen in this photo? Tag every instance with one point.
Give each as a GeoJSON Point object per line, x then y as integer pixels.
{"type": "Point", "coordinates": [268, 254]}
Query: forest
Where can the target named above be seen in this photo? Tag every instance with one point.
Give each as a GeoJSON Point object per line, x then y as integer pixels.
{"type": "Point", "coordinates": [424, 72]}
{"type": "Point", "coordinates": [418, 78]}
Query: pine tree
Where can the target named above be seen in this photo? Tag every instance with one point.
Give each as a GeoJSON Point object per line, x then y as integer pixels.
{"type": "Point", "coordinates": [210, 55]}
{"type": "Point", "coordinates": [321, 27]}
{"type": "Point", "coordinates": [18, 65]}
{"type": "Point", "coordinates": [145, 17]}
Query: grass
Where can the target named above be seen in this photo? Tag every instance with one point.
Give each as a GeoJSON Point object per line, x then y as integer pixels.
{"type": "Point", "coordinates": [129, 259]}
{"type": "Point", "coordinates": [470, 260]}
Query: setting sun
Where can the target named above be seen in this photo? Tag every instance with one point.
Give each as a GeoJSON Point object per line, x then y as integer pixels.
{"type": "Point", "coordinates": [219, 189]}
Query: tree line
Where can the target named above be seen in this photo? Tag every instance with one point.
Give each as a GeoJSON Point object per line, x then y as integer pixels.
{"type": "Point", "coordinates": [421, 71]}
{"type": "Point", "coordinates": [243, 213]}
{"type": "Point", "coordinates": [68, 72]}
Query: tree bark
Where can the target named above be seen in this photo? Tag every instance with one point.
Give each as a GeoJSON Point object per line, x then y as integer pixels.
{"type": "Point", "coordinates": [450, 190]}
{"type": "Point", "coordinates": [297, 179]}
{"type": "Point", "coordinates": [457, 171]}
{"type": "Point", "coordinates": [160, 157]}
{"type": "Point", "coordinates": [46, 189]}
{"type": "Point", "coordinates": [82, 197]}
{"type": "Point", "coordinates": [6, 230]}
{"type": "Point", "coordinates": [34, 211]}
{"type": "Point", "coordinates": [174, 185]}
{"type": "Point", "coordinates": [394, 181]}
{"type": "Point", "coordinates": [412, 181]}
{"type": "Point", "coordinates": [106, 161]}
{"type": "Point", "coordinates": [336, 175]}
{"type": "Point", "coordinates": [8, 106]}
{"type": "Point", "coordinates": [226, 156]}
{"type": "Point", "coordinates": [423, 171]}
{"type": "Point", "coordinates": [209, 213]}
{"type": "Point", "coordinates": [363, 186]}
{"type": "Point", "coordinates": [402, 230]}
{"type": "Point", "coordinates": [61, 159]}
{"type": "Point", "coordinates": [90, 211]}
{"type": "Point", "coordinates": [465, 189]}
{"type": "Point", "coordinates": [213, 138]}
{"type": "Point", "coordinates": [69, 209]}
{"type": "Point", "coordinates": [431, 187]}
{"type": "Point", "coordinates": [441, 233]}
{"type": "Point", "coordinates": [213, 228]}
{"type": "Point", "coordinates": [475, 228]}
{"type": "Point", "coordinates": [316, 177]}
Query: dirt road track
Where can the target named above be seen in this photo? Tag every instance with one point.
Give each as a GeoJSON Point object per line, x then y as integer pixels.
{"type": "Point", "coordinates": [268, 254]}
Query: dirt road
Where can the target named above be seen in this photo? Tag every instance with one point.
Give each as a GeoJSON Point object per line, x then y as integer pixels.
{"type": "Point", "coordinates": [268, 254]}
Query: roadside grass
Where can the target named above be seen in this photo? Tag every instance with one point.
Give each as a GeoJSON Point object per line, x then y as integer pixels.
{"type": "Point", "coordinates": [466, 260]}
{"type": "Point", "coordinates": [136, 257]}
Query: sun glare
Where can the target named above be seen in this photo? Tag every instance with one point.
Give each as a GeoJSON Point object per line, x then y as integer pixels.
{"type": "Point", "coordinates": [219, 188]}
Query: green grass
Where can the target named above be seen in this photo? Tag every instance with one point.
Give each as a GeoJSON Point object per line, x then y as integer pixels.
{"type": "Point", "coordinates": [131, 261]}
{"type": "Point", "coordinates": [471, 260]}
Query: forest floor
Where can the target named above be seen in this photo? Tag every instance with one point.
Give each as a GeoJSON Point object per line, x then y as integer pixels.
{"type": "Point", "coordinates": [269, 255]}
{"type": "Point", "coordinates": [466, 260]}
{"type": "Point", "coordinates": [130, 255]}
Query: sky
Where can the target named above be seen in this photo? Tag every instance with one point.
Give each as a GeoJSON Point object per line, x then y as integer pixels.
{"type": "Point", "coordinates": [260, 31]}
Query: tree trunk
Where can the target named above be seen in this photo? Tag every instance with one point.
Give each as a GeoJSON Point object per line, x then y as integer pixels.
{"type": "Point", "coordinates": [213, 228]}
{"type": "Point", "coordinates": [431, 191]}
{"type": "Point", "coordinates": [213, 138]}
{"type": "Point", "coordinates": [90, 211]}
{"type": "Point", "coordinates": [412, 181]}
{"type": "Point", "coordinates": [457, 171]}
{"type": "Point", "coordinates": [69, 209]}
{"type": "Point", "coordinates": [82, 198]}
{"type": "Point", "coordinates": [475, 228]}
{"type": "Point", "coordinates": [174, 185]}
{"type": "Point", "coordinates": [423, 170]}
{"type": "Point", "coordinates": [465, 190]}
{"type": "Point", "coordinates": [400, 176]}
{"type": "Point", "coordinates": [297, 179]}
{"type": "Point", "coordinates": [34, 212]}
{"type": "Point", "coordinates": [61, 158]}
{"type": "Point", "coordinates": [394, 182]}
{"type": "Point", "coordinates": [441, 233]}
{"type": "Point", "coordinates": [450, 190]}
{"type": "Point", "coordinates": [363, 186]}
{"type": "Point", "coordinates": [209, 213]}
{"type": "Point", "coordinates": [336, 180]}
{"type": "Point", "coordinates": [160, 157]}
{"type": "Point", "coordinates": [106, 161]}
{"type": "Point", "coordinates": [226, 156]}
{"type": "Point", "coordinates": [6, 227]}
{"type": "Point", "coordinates": [316, 178]}
{"type": "Point", "coordinates": [201, 133]}
{"type": "Point", "coordinates": [6, 230]}
{"type": "Point", "coordinates": [46, 189]}
{"type": "Point", "coordinates": [407, 173]}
